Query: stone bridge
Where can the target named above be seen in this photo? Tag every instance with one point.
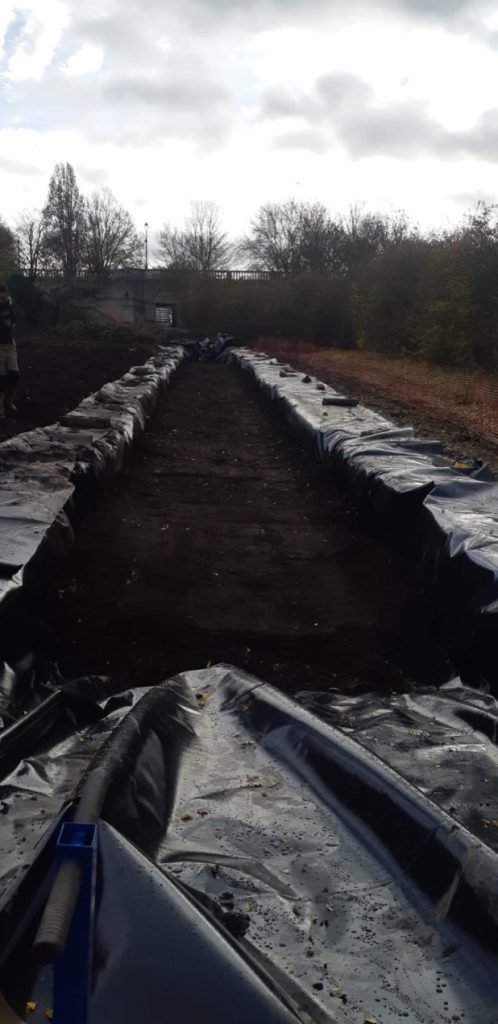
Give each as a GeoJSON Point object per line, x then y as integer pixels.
{"type": "Point", "coordinates": [133, 295]}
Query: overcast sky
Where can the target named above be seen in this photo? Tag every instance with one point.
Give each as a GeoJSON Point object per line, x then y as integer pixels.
{"type": "Point", "coordinates": [394, 104]}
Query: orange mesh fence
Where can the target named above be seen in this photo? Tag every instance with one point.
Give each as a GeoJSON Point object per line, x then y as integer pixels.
{"type": "Point", "coordinates": [467, 397]}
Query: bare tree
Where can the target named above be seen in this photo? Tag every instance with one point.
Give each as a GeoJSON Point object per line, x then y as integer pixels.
{"type": "Point", "coordinates": [321, 239]}
{"type": "Point", "coordinates": [273, 242]}
{"type": "Point", "coordinates": [293, 237]}
{"type": "Point", "coordinates": [30, 234]}
{"type": "Point", "coordinates": [368, 235]}
{"type": "Point", "coordinates": [111, 239]}
{"type": "Point", "coordinates": [172, 249]}
{"type": "Point", "coordinates": [401, 229]}
{"type": "Point", "coordinates": [200, 245]}
{"type": "Point", "coordinates": [64, 220]}
{"type": "Point", "coordinates": [365, 234]}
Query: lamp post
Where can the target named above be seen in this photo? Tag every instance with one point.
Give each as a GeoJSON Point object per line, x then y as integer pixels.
{"type": "Point", "coordinates": [146, 246]}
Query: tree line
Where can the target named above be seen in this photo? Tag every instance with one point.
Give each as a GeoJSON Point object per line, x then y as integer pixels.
{"type": "Point", "coordinates": [74, 233]}
{"type": "Point", "coordinates": [70, 234]}
{"type": "Point", "coordinates": [360, 279]}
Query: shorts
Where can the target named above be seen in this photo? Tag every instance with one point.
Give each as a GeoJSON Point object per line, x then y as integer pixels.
{"type": "Point", "coordinates": [8, 359]}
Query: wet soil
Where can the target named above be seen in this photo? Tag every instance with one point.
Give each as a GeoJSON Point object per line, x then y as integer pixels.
{"type": "Point", "coordinates": [222, 541]}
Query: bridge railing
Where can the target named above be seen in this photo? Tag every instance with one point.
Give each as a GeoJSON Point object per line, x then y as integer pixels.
{"type": "Point", "coordinates": [58, 279]}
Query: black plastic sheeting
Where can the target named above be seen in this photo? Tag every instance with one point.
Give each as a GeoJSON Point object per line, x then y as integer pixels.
{"type": "Point", "coordinates": [208, 350]}
{"type": "Point", "coordinates": [410, 493]}
{"type": "Point", "coordinates": [47, 770]}
{"type": "Point", "coordinates": [46, 472]}
{"type": "Point", "coordinates": [442, 741]}
{"type": "Point", "coordinates": [256, 863]}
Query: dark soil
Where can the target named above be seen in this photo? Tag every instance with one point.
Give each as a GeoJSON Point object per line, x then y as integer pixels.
{"type": "Point", "coordinates": [56, 374]}
{"type": "Point", "coordinates": [222, 541]}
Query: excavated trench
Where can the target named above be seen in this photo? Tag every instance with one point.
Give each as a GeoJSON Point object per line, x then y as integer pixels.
{"type": "Point", "coordinates": [223, 541]}
{"type": "Point", "coordinates": [236, 831]}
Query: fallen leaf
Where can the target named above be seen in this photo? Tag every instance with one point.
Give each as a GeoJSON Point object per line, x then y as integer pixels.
{"type": "Point", "coordinates": [49, 1014]}
{"type": "Point", "coordinates": [186, 817]}
{"type": "Point", "coordinates": [30, 1007]}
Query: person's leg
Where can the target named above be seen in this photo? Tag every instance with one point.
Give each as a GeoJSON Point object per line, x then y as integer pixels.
{"type": "Point", "coordinates": [11, 380]}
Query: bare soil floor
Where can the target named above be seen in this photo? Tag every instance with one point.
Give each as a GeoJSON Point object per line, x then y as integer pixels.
{"type": "Point", "coordinates": [222, 541]}
{"type": "Point", "coordinates": [56, 374]}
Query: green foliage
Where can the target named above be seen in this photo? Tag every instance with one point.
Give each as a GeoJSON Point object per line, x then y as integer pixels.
{"type": "Point", "coordinates": [435, 297]}
{"type": "Point", "coordinates": [7, 251]}
{"type": "Point", "coordinates": [26, 298]}
{"type": "Point", "coordinates": [387, 288]}
{"type": "Point", "coordinates": [387, 297]}
{"type": "Point", "coordinates": [315, 306]}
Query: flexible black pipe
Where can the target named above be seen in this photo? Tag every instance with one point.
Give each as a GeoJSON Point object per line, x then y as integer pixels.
{"type": "Point", "coordinates": [117, 755]}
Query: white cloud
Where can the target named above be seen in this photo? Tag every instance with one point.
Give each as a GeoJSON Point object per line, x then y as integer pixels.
{"type": "Point", "coordinates": [399, 62]}
{"type": "Point", "coordinates": [163, 102]}
{"type": "Point", "coordinates": [43, 24]}
{"type": "Point", "coordinates": [164, 44]}
{"type": "Point", "coordinates": [88, 60]}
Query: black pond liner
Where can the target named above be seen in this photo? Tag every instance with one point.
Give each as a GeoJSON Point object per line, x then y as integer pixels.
{"type": "Point", "coordinates": [47, 478]}
{"type": "Point", "coordinates": [48, 473]}
{"type": "Point", "coordinates": [409, 493]}
{"type": "Point", "coordinates": [256, 863]}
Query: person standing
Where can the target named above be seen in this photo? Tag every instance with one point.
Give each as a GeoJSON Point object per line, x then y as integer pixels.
{"type": "Point", "coordinates": [9, 369]}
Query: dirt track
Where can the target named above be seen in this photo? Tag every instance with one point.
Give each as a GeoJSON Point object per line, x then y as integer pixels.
{"type": "Point", "coordinates": [221, 540]}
